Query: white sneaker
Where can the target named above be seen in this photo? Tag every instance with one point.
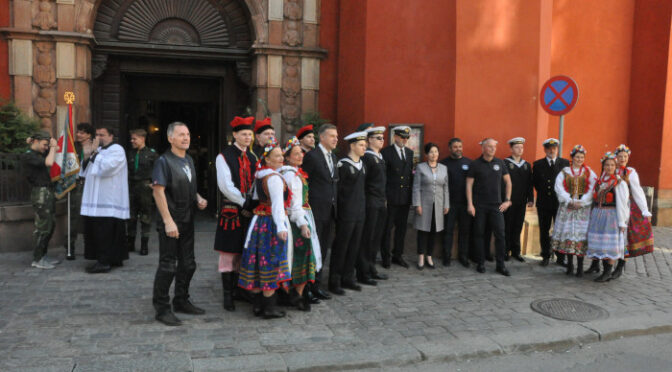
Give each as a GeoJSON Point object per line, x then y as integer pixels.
{"type": "Point", "coordinates": [52, 260]}
{"type": "Point", "coordinates": [42, 264]}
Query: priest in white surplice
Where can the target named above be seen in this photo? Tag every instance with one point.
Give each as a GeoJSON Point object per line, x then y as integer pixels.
{"type": "Point", "coordinates": [105, 203]}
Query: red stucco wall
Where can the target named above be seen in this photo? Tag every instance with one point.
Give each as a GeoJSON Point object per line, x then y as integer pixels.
{"type": "Point", "coordinates": [5, 82]}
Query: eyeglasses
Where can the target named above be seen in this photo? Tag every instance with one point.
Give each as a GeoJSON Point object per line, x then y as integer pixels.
{"type": "Point", "coordinates": [379, 138]}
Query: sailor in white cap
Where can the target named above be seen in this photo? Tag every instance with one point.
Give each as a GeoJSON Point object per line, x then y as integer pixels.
{"type": "Point", "coordinates": [351, 207]}
{"type": "Point", "coordinates": [522, 196]}
{"type": "Point", "coordinates": [544, 172]}
{"type": "Point", "coordinates": [376, 211]}
{"type": "Point", "coordinates": [399, 171]}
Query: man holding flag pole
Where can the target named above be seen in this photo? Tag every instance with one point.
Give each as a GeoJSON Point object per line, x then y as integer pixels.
{"type": "Point", "coordinates": [65, 168]}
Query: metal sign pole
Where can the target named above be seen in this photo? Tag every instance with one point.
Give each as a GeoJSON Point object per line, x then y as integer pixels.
{"type": "Point", "coordinates": [562, 131]}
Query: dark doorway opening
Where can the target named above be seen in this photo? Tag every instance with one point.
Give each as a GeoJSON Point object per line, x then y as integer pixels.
{"type": "Point", "coordinates": [153, 102]}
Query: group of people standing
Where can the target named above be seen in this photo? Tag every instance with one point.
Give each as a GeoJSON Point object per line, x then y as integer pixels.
{"type": "Point", "coordinates": [282, 203]}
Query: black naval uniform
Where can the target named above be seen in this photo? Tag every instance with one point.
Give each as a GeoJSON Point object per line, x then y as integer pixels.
{"type": "Point", "coordinates": [487, 197]}
{"type": "Point", "coordinates": [176, 256]}
{"type": "Point", "coordinates": [457, 183]}
{"type": "Point", "coordinates": [349, 226]}
{"type": "Point", "coordinates": [521, 194]}
{"type": "Point", "coordinates": [399, 185]}
{"type": "Point", "coordinates": [140, 166]}
{"type": "Point", "coordinates": [543, 175]}
{"type": "Point", "coordinates": [376, 215]}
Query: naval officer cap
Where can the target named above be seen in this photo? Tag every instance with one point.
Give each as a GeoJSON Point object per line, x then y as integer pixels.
{"type": "Point", "coordinates": [364, 126]}
{"type": "Point", "coordinates": [403, 131]}
{"type": "Point", "coordinates": [375, 130]}
{"type": "Point", "coordinates": [517, 141]}
{"type": "Point", "coordinates": [551, 142]}
{"type": "Point", "coordinates": [357, 136]}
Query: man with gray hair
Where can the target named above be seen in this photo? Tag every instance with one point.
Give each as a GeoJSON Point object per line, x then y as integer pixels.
{"type": "Point", "coordinates": [174, 190]}
{"type": "Point", "coordinates": [484, 202]}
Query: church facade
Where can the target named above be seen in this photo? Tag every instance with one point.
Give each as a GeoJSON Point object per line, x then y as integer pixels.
{"type": "Point", "coordinates": [464, 68]}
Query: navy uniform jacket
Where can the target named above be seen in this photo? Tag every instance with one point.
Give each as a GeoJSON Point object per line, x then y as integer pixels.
{"type": "Point", "coordinates": [522, 191]}
{"type": "Point", "coordinates": [399, 175]}
{"type": "Point", "coordinates": [544, 181]}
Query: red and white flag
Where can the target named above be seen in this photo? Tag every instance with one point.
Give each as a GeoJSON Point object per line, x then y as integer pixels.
{"type": "Point", "coordinates": [66, 165]}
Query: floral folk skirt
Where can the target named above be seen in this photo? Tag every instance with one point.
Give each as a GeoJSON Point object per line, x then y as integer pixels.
{"type": "Point", "coordinates": [303, 261]}
{"type": "Point", "coordinates": [570, 231]}
{"type": "Point", "coordinates": [605, 239]}
{"type": "Point", "coordinates": [640, 233]}
{"type": "Point", "coordinates": [264, 264]}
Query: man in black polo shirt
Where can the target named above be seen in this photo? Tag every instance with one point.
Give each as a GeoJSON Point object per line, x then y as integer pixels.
{"type": "Point", "coordinates": [458, 166]}
{"type": "Point", "coordinates": [484, 202]}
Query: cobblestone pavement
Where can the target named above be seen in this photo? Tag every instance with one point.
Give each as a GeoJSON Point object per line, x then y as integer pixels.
{"type": "Point", "coordinates": [65, 319]}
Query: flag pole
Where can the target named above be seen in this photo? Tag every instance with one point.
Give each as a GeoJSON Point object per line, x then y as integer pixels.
{"type": "Point", "coordinates": [70, 252]}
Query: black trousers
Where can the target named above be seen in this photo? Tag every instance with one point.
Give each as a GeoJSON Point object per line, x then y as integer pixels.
{"type": "Point", "coordinates": [426, 238]}
{"type": "Point", "coordinates": [397, 218]}
{"type": "Point", "coordinates": [546, 218]}
{"type": "Point", "coordinates": [372, 234]}
{"type": "Point", "coordinates": [514, 218]}
{"type": "Point", "coordinates": [323, 227]}
{"type": "Point", "coordinates": [492, 216]}
{"type": "Point", "coordinates": [345, 251]}
{"type": "Point", "coordinates": [176, 261]}
{"type": "Point", "coordinates": [104, 240]}
{"type": "Point", "coordinates": [457, 214]}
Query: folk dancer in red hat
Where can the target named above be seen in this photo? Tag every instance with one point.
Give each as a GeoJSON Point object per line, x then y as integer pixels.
{"type": "Point", "coordinates": [235, 177]}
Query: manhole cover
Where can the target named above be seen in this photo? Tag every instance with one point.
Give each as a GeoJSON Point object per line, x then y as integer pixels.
{"type": "Point", "coordinates": [566, 309]}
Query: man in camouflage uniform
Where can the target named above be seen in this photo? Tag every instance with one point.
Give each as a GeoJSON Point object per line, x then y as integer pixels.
{"type": "Point", "coordinates": [140, 164]}
{"type": "Point", "coordinates": [83, 138]}
{"type": "Point", "coordinates": [36, 163]}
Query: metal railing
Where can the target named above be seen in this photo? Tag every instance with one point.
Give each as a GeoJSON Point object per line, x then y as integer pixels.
{"type": "Point", "coordinates": [14, 188]}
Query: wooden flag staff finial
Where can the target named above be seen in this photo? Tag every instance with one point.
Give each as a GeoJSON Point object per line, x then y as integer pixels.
{"type": "Point", "coordinates": [69, 98]}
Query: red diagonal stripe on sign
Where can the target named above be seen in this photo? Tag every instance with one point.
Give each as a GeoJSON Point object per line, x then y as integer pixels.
{"type": "Point", "coordinates": [558, 95]}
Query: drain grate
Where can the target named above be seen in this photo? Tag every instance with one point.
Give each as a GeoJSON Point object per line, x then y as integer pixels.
{"type": "Point", "coordinates": [566, 309]}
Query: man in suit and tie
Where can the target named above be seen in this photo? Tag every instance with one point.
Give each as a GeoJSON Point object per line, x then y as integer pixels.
{"type": "Point", "coordinates": [544, 172]}
{"type": "Point", "coordinates": [399, 169]}
{"type": "Point", "coordinates": [320, 164]}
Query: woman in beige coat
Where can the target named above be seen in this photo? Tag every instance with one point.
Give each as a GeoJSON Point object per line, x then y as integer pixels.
{"type": "Point", "coordinates": [431, 202]}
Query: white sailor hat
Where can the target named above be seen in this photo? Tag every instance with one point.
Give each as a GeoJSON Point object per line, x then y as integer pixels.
{"type": "Point", "coordinates": [375, 130]}
{"type": "Point", "coordinates": [551, 142]}
{"type": "Point", "coordinates": [516, 141]}
{"type": "Point", "coordinates": [357, 136]}
{"type": "Point", "coordinates": [403, 131]}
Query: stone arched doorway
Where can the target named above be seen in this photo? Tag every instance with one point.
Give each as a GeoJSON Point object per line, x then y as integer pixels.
{"type": "Point", "coordinates": [159, 61]}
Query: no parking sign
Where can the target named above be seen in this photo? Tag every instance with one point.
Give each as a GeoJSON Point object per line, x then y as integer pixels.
{"type": "Point", "coordinates": [558, 97]}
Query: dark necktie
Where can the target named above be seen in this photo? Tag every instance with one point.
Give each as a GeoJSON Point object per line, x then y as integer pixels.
{"type": "Point", "coordinates": [552, 163]}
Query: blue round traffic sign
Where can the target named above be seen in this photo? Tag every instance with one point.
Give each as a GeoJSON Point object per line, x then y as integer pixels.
{"type": "Point", "coordinates": [559, 95]}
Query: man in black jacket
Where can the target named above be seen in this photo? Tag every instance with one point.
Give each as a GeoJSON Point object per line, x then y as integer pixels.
{"type": "Point", "coordinates": [376, 210]}
{"type": "Point", "coordinates": [320, 164]}
{"type": "Point", "coordinates": [544, 172]}
{"type": "Point", "coordinates": [399, 168]}
{"type": "Point", "coordinates": [458, 166]}
{"type": "Point", "coordinates": [522, 196]}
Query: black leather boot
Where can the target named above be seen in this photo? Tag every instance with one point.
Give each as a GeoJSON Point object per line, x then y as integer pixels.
{"type": "Point", "coordinates": [620, 266]}
{"type": "Point", "coordinates": [257, 304]}
{"type": "Point", "coordinates": [606, 273]}
{"type": "Point", "coordinates": [227, 291]}
{"type": "Point", "coordinates": [144, 246]}
{"type": "Point", "coordinates": [594, 267]}
{"type": "Point", "coordinates": [579, 267]}
{"type": "Point", "coordinates": [305, 303]}
{"type": "Point", "coordinates": [570, 264]}
{"type": "Point", "coordinates": [270, 312]}
{"type": "Point", "coordinates": [130, 243]}
{"type": "Point", "coordinates": [239, 294]}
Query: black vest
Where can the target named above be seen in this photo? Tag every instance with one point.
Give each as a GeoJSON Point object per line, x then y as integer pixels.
{"type": "Point", "coordinates": [180, 190]}
{"type": "Point", "coordinates": [233, 156]}
{"type": "Point", "coordinates": [351, 187]}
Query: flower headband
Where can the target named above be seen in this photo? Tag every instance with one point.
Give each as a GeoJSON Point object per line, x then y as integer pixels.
{"type": "Point", "coordinates": [608, 156]}
{"type": "Point", "coordinates": [272, 143]}
{"type": "Point", "coordinates": [622, 148]}
{"type": "Point", "coordinates": [577, 149]}
{"type": "Point", "coordinates": [293, 142]}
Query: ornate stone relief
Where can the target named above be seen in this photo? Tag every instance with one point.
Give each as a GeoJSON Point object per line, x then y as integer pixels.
{"type": "Point", "coordinates": [44, 19]}
{"type": "Point", "coordinates": [44, 77]}
{"type": "Point", "coordinates": [291, 28]}
{"type": "Point", "coordinates": [291, 92]}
